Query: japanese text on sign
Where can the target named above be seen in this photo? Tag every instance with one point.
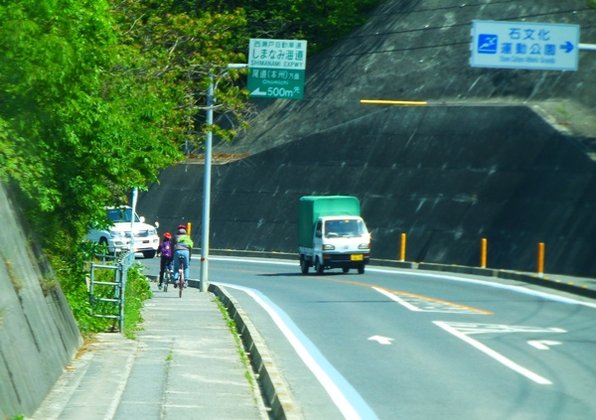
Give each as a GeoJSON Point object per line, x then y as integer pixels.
{"type": "Point", "coordinates": [525, 45]}
{"type": "Point", "coordinates": [277, 53]}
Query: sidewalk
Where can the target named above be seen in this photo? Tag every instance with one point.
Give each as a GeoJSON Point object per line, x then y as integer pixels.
{"type": "Point", "coordinates": [184, 364]}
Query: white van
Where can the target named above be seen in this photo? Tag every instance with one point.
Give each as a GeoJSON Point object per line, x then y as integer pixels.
{"type": "Point", "coordinates": [117, 237]}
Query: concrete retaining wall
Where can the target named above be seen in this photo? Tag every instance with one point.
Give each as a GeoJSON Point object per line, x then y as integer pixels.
{"type": "Point", "coordinates": [446, 176]}
{"type": "Point", "coordinates": [479, 162]}
{"type": "Point", "coordinates": [38, 334]}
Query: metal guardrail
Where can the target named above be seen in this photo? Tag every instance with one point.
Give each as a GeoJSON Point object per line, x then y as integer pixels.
{"type": "Point", "coordinates": [119, 264]}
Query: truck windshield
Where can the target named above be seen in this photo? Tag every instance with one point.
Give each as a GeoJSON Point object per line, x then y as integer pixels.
{"type": "Point", "coordinates": [344, 228]}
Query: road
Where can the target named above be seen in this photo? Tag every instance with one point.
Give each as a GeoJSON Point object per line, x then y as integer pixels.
{"type": "Point", "coordinates": [401, 344]}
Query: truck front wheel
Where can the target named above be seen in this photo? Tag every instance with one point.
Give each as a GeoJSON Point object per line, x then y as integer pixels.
{"type": "Point", "coordinates": [318, 266]}
{"type": "Point", "coordinates": [361, 269]}
{"type": "Point", "coordinates": [303, 265]}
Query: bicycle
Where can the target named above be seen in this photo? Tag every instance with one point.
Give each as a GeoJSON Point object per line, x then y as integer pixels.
{"type": "Point", "coordinates": [167, 278]}
{"type": "Point", "coordinates": [180, 275]}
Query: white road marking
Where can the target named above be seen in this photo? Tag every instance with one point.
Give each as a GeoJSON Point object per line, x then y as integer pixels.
{"type": "Point", "coordinates": [381, 339]}
{"type": "Point", "coordinates": [495, 355]}
{"type": "Point", "coordinates": [444, 276]}
{"type": "Point", "coordinates": [345, 397]}
{"type": "Point", "coordinates": [397, 299]}
{"type": "Point", "coordinates": [425, 304]}
{"type": "Point", "coordinates": [470, 328]}
{"type": "Point", "coordinates": [543, 344]}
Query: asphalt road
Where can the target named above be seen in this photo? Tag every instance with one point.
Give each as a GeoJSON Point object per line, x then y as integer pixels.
{"type": "Point", "coordinates": [400, 344]}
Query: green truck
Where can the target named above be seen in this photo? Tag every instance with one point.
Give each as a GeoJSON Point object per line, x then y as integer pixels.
{"type": "Point", "coordinates": [331, 234]}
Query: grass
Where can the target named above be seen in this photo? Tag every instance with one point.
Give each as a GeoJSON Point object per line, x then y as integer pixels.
{"type": "Point", "coordinates": [14, 278]}
{"type": "Point", "coordinates": [137, 292]}
{"type": "Point", "coordinates": [240, 348]}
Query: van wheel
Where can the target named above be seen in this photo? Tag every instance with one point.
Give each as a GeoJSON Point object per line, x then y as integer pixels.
{"type": "Point", "coordinates": [303, 265]}
{"type": "Point", "coordinates": [361, 269]}
{"type": "Point", "coordinates": [318, 267]}
{"type": "Point", "coordinates": [149, 254]}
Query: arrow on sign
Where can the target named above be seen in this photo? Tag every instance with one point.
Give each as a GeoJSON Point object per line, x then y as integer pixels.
{"type": "Point", "coordinates": [380, 339]}
{"type": "Point", "coordinates": [567, 46]}
{"type": "Point", "coordinates": [258, 92]}
{"type": "Point", "coordinates": [543, 344]}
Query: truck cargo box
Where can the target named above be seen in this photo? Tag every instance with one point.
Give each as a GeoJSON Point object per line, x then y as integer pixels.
{"type": "Point", "coordinates": [311, 207]}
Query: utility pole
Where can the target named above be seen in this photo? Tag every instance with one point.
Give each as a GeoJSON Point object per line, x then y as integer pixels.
{"type": "Point", "coordinates": [207, 178]}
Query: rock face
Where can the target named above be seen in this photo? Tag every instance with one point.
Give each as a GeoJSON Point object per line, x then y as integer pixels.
{"type": "Point", "coordinates": [420, 50]}
{"type": "Point", "coordinates": [504, 155]}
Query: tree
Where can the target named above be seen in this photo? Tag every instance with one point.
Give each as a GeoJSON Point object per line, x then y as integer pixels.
{"type": "Point", "coordinates": [183, 45]}
{"type": "Point", "coordinates": [79, 123]}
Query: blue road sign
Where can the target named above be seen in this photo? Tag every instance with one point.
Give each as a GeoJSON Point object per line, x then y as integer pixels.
{"type": "Point", "coordinates": [524, 45]}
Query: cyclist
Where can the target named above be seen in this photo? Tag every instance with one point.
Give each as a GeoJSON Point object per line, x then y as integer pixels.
{"type": "Point", "coordinates": [166, 251]}
{"type": "Point", "coordinates": [182, 247]}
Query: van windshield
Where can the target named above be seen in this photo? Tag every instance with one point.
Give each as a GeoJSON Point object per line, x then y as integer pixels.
{"type": "Point", "coordinates": [345, 228]}
{"type": "Point", "coordinates": [121, 215]}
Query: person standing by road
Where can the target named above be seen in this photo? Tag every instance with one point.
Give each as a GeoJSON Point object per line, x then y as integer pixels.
{"type": "Point", "coordinates": [182, 247]}
{"type": "Point", "coordinates": [165, 251]}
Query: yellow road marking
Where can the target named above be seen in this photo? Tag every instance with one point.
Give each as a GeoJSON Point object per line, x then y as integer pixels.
{"type": "Point", "coordinates": [401, 293]}
{"type": "Point", "coordinates": [392, 102]}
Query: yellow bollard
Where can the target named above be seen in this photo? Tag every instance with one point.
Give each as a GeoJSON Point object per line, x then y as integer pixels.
{"type": "Point", "coordinates": [189, 228]}
{"type": "Point", "coordinates": [541, 258]}
{"type": "Point", "coordinates": [402, 248]}
{"type": "Point", "coordinates": [483, 252]}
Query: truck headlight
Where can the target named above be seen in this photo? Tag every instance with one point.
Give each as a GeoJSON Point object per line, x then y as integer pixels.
{"type": "Point", "coordinates": [328, 247]}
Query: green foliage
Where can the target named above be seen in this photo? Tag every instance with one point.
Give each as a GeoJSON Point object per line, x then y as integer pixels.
{"type": "Point", "coordinates": [98, 96]}
{"type": "Point", "coordinates": [137, 291]}
{"type": "Point", "coordinates": [183, 47]}
{"type": "Point", "coordinates": [320, 22]}
{"type": "Point", "coordinates": [72, 270]}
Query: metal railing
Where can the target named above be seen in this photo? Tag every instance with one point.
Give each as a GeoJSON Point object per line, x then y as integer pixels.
{"type": "Point", "coordinates": [111, 294]}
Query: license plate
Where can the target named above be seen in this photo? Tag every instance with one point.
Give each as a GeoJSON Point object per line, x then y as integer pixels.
{"type": "Point", "coordinates": [356, 257]}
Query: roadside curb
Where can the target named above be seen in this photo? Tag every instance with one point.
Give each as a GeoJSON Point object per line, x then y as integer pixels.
{"type": "Point", "coordinates": [276, 392]}
{"type": "Point", "coordinates": [559, 282]}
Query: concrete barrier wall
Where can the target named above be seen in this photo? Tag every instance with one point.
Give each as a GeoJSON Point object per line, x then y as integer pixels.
{"type": "Point", "coordinates": [38, 334]}
{"type": "Point", "coordinates": [446, 176]}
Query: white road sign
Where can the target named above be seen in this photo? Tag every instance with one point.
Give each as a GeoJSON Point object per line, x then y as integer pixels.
{"type": "Point", "coordinates": [524, 45]}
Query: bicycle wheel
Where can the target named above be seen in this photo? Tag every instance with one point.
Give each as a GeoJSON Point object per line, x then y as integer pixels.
{"type": "Point", "coordinates": [180, 275]}
{"type": "Point", "coordinates": [166, 280]}
{"type": "Point", "coordinates": [180, 283]}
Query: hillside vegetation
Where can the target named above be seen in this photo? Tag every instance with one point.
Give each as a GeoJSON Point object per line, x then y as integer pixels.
{"type": "Point", "coordinates": [98, 96]}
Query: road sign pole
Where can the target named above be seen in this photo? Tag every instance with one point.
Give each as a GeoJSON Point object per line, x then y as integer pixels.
{"type": "Point", "coordinates": [207, 191]}
{"type": "Point", "coordinates": [204, 275]}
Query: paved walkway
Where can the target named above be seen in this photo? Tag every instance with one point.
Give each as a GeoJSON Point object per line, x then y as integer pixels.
{"type": "Point", "coordinates": [185, 364]}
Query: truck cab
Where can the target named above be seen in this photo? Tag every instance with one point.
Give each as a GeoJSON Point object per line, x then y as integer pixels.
{"type": "Point", "coordinates": [332, 234]}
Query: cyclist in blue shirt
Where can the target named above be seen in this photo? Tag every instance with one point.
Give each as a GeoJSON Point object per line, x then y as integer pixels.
{"type": "Point", "coordinates": [182, 245]}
